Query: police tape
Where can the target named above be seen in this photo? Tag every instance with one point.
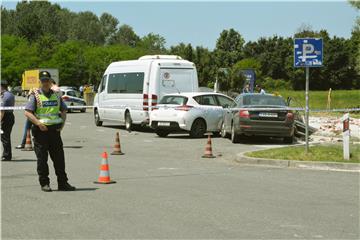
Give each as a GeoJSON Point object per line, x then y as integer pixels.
{"type": "Point", "coordinates": [144, 108]}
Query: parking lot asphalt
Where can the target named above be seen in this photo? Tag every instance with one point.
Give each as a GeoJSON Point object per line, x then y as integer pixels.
{"type": "Point", "coordinates": [165, 189]}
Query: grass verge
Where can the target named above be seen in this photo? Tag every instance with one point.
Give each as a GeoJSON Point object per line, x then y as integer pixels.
{"type": "Point", "coordinates": [322, 153]}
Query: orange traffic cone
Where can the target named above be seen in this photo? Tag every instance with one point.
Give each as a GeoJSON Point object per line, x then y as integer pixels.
{"type": "Point", "coordinates": [208, 149]}
{"type": "Point", "coordinates": [28, 144]}
{"type": "Point", "coordinates": [104, 177]}
{"type": "Point", "coordinates": [117, 146]}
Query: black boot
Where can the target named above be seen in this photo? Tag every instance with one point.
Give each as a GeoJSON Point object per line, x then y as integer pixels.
{"type": "Point", "coordinates": [66, 187]}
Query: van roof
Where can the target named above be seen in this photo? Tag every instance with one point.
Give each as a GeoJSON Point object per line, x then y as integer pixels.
{"type": "Point", "coordinates": [172, 57]}
{"type": "Point", "coordinates": [146, 60]}
{"type": "Point", "coordinates": [192, 94]}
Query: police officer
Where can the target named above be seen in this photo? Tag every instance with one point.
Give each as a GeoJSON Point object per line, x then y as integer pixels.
{"type": "Point", "coordinates": [47, 112]}
{"type": "Point", "coordinates": [7, 121]}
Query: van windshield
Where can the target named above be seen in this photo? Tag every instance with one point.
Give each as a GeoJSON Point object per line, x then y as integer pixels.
{"type": "Point", "coordinates": [176, 100]}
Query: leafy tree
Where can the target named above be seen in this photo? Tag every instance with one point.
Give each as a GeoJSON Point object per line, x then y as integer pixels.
{"type": "Point", "coordinates": [229, 48]}
{"type": "Point", "coordinates": [355, 3]}
{"type": "Point", "coordinates": [17, 55]}
{"type": "Point", "coordinates": [108, 25]}
{"type": "Point", "coordinates": [86, 26]}
{"type": "Point", "coordinates": [7, 21]}
{"type": "Point", "coordinates": [69, 59]}
{"type": "Point", "coordinates": [125, 36]}
{"type": "Point", "coordinates": [183, 50]}
{"type": "Point", "coordinates": [153, 42]}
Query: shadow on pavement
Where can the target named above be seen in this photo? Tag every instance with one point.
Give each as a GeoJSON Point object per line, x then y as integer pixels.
{"type": "Point", "coordinates": [72, 146]}
{"type": "Point", "coordinates": [22, 160]}
{"type": "Point", "coordinates": [78, 190]}
{"type": "Point", "coordinates": [136, 128]}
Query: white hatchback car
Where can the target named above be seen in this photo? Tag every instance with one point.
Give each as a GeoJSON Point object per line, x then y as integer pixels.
{"type": "Point", "coordinates": [195, 112]}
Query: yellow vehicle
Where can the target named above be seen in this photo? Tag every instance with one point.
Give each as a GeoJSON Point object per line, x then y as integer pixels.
{"type": "Point", "coordinates": [30, 78]}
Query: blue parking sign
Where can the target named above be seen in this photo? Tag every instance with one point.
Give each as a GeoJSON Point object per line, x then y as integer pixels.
{"type": "Point", "coordinates": [308, 52]}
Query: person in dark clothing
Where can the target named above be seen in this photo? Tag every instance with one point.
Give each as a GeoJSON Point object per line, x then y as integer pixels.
{"type": "Point", "coordinates": [7, 121]}
{"type": "Point", "coordinates": [47, 112]}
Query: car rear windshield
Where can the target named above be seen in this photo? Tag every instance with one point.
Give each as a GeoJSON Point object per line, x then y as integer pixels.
{"type": "Point", "coordinates": [263, 100]}
{"type": "Point", "coordinates": [178, 100]}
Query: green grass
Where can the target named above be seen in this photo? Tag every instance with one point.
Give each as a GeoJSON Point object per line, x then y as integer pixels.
{"type": "Point", "coordinates": [318, 100]}
{"type": "Point", "coordinates": [325, 153]}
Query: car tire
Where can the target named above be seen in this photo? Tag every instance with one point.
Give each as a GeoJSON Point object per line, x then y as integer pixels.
{"type": "Point", "coordinates": [198, 128]}
{"type": "Point", "coordinates": [98, 122]}
{"type": "Point", "coordinates": [83, 110]}
{"type": "Point", "coordinates": [162, 133]}
{"type": "Point", "coordinates": [289, 140]}
{"type": "Point", "coordinates": [234, 136]}
{"type": "Point", "coordinates": [223, 132]}
{"type": "Point", "coordinates": [128, 121]}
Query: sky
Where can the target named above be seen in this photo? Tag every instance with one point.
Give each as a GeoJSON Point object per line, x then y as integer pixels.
{"type": "Point", "coordinates": [200, 23]}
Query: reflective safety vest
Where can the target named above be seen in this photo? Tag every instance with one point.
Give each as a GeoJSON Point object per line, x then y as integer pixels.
{"type": "Point", "coordinates": [48, 109]}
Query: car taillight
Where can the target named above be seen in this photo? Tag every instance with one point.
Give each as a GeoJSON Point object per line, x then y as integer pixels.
{"type": "Point", "coordinates": [154, 99]}
{"type": "Point", "coordinates": [290, 116]}
{"type": "Point", "coordinates": [184, 108]}
{"type": "Point", "coordinates": [244, 114]}
{"type": "Point", "coordinates": [65, 98]}
{"type": "Point", "coordinates": [145, 102]}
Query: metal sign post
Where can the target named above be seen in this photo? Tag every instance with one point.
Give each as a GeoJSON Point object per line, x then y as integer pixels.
{"type": "Point", "coordinates": [308, 53]}
{"type": "Point", "coordinates": [346, 136]}
{"type": "Point", "coordinates": [307, 111]}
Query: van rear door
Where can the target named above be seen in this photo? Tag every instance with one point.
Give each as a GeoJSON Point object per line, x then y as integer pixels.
{"type": "Point", "coordinates": [173, 80]}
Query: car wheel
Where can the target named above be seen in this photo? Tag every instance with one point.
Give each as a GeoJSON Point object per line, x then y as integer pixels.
{"type": "Point", "coordinates": [98, 122]}
{"type": "Point", "coordinates": [289, 140]}
{"type": "Point", "coordinates": [198, 128]}
{"type": "Point", "coordinates": [162, 133]}
{"type": "Point", "coordinates": [234, 136]}
{"type": "Point", "coordinates": [128, 121]}
{"type": "Point", "coordinates": [223, 132]}
{"type": "Point", "coordinates": [83, 110]}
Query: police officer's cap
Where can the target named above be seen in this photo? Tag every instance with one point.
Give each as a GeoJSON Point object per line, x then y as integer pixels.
{"type": "Point", "coordinates": [44, 76]}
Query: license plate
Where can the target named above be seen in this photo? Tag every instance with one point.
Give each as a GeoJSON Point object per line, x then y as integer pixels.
{"type": "Point", "coordinates": [266, 114]}
{"type": "Point", "coordinates": [163, 124]}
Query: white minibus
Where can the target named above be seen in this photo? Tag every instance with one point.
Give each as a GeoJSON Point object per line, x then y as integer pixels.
{"type": "Point", "coordinates": [130, 89]}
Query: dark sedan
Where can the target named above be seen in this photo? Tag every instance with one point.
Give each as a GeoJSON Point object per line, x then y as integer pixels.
{"type": "Point", "coordinates": [248, 121]}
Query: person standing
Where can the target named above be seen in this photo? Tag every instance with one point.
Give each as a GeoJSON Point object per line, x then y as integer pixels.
{"type": "Point", "coordinates": [259, 89]}
{"type": "Point", "coordinates": [7, 121]}
{"type": "Point", "coordinates": [246, 89]}
{"type": "Point", "coordinates": [81, 89]}
{"type": "Point", "coordinates": [27, 125]}
{"type": "Point", "coordinates": [47, 112]}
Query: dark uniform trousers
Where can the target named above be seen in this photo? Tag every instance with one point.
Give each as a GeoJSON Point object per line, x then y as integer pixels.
{"type": "Point", "coordinates": [7, 124]}
{"type": "Point", "coordinates": [49, 142]}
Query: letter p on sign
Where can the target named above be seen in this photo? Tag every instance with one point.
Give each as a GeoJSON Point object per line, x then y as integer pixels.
{"type": "Point", "coordinates": [307, 50]}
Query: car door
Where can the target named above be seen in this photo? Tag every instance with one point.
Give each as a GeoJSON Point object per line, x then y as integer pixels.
{"type": "Point", "coordinates": [101, 98]}
{"type": "Point", "coordinates": [212, 113]}
{"type": "Point", "coordinates": [226, 103]}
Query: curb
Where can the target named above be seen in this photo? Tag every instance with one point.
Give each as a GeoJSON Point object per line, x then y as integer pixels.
{"type": "Point", "coordinates": [330, 166]}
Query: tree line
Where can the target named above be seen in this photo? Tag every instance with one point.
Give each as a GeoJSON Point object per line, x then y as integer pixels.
{"type": "Point", "coordinates": [81, 45]}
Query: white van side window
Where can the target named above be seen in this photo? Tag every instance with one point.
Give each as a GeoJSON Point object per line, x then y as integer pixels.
{"type": "Point", "coordinates": [126, 82]}
{"type": "Point", "coordinates": [102, 84]}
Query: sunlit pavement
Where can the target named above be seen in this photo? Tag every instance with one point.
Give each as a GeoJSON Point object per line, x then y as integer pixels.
{"type": "Point", "coordinates": [165, 189]}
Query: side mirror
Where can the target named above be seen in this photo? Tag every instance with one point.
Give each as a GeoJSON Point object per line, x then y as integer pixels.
{"type": "Point", "coordinates": [288, 101]}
